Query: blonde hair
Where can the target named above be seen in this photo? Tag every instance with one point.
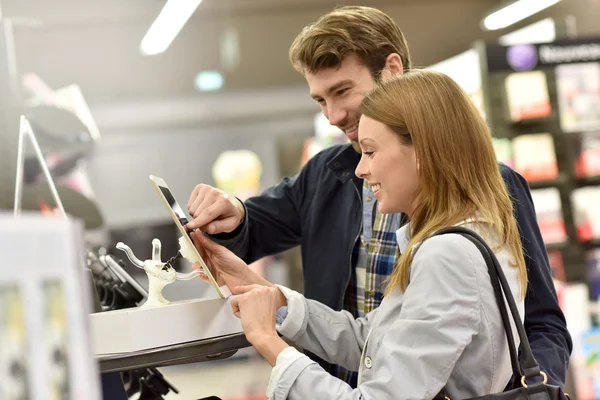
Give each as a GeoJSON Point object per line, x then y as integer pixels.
{"type": "Point", "coordinates": [364, 31]}
{"type": "Point", "coordinates": [458, 170]}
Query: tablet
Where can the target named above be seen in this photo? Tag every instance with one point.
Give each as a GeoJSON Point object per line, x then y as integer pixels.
{"type": "Point", "coordinates": [181, 220]}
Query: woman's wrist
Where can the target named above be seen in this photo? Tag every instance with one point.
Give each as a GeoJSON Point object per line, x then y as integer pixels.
{"type": "Point", "coordinates": [281, 299]}
{"type": "Point", "coordinates": [269, 346]}
{"type": "Point", "coordinates": [249, 277]}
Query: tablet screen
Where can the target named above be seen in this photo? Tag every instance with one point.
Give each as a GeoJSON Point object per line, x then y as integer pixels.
{"type": "Point", "coordinates": [174, 205]}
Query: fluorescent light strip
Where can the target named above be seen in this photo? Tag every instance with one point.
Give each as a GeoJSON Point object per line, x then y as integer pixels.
{"type": "Point", "coordinates": [515, 12]}
{"type": "Point", "coordinates": [543, 31]}
{"type": "Point", "coordinates": [167, 25]}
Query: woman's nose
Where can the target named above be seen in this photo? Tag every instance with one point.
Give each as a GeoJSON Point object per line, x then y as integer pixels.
{"type": "Point", "coordinates": [361, 170]}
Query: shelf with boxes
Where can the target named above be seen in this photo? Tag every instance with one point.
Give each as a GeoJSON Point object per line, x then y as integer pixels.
{"type": "Point", "coordinates": [545, 117]}
{"type": "Point", "coordinates": [542, 103]}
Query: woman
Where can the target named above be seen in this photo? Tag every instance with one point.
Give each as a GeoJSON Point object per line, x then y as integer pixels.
{"type": "Point", "coordinates": [426, 152]}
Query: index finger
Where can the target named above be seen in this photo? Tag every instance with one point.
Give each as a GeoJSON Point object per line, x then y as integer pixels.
{"type": "Point", "coordinates": [245, 288]}
{"type": "Point", "coordinates": [208, 215]}
{"type": "Point", "coordinates": [194, 194]}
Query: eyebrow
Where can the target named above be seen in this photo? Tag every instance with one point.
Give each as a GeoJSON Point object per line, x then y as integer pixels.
{"type": "Point", "coordinates": [367, 141]}
{"type": "Point", "coordinates": [334, 88]}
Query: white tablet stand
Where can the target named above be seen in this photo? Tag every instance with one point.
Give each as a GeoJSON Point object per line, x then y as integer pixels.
{"type": "Point", "coordinates": [159, 274]}
{"type": "Point", "coordinates": [25, 130]}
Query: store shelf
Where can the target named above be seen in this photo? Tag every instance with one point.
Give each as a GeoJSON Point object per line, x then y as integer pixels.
{"type": "Point", "coordinates": [557, 246]}
{"type": "Point", "coordinates": [591, 244]}
{"type": "Point", "coordinates": [560, 180]}
{"type": "Point", "coordinates": [588, 181]}
{"type": "Point", "coordinates": [527, 122]}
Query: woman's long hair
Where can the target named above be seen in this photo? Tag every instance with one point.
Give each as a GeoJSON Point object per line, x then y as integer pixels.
{"type": "Point", "coordinates": [458, 171]}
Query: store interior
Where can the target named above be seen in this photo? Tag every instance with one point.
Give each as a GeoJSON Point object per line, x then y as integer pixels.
{"type": "Point", "coordinates": [102, 102]}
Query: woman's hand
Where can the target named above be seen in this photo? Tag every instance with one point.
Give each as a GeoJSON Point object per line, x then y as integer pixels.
{"type": "Point", "coordinates": [225, 267]}
{"type": "Point", "coordinates": [256, 307]}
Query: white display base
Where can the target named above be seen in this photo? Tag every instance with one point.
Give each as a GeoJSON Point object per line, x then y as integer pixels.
{"type": "Point", "coordinates": [136, 329]}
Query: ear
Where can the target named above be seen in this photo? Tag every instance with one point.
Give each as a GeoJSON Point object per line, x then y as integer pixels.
{"type": "Point", "coordinates": [393, 66]}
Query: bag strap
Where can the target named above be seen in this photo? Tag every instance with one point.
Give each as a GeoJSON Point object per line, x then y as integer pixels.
{"type": "Point", "coordinates": [526, 367]}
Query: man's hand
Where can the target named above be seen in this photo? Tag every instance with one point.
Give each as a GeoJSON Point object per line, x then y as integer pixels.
{"type": "Point", "coordinates": [214, 211]}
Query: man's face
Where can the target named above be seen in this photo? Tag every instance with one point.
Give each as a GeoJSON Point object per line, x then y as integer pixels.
{"type": "Point", "coordinates": [339, 92]}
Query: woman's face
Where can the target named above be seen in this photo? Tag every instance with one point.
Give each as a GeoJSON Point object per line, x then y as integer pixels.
{"type": "Point", "coordinates": [389, 167]}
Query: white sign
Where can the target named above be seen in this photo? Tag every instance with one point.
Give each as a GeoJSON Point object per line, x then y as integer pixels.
{"type": "Point", "coordinates": [45, 302]}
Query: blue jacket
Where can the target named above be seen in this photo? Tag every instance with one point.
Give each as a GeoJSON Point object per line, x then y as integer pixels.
{"type": "Point", "coordinates": [320, 209]}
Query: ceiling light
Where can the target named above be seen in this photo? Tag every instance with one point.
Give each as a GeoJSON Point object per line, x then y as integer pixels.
{"type": "Point", "coordinates": [543, 31]}
{"type": "Point", "coordinates": [209, 81]}
{"type": "Point", "coordinates": [167, 25]}
{"type": "Point", "coordinates": [515, 12]}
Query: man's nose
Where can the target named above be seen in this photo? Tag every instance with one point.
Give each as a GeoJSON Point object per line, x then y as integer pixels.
{"type": "Point", "coordinates": [336, 115]}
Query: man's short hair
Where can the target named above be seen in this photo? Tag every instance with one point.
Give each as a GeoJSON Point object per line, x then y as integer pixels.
{"type": "Point", "coordinates": [364, 31]}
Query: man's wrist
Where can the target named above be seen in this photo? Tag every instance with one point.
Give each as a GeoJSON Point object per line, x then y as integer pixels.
{"type": "Point", "coordinates": [242, 209]}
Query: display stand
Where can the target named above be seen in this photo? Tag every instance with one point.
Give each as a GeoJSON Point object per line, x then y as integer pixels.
{"type": "Point", "coordinates": [203, 350]}
{"type": "Point", "coordinates": [117, 290]}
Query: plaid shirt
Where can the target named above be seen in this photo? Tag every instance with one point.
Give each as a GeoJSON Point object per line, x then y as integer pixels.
{"type": "Point", "coordinates": [374, 258]}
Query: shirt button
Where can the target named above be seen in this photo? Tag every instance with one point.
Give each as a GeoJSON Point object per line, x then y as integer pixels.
{"type": "Point", "coordinates": [368, 362]}
{"type": "Point", "coordinates": [369, 198]}
{"type": "Point", "coordinates": [345, 173]}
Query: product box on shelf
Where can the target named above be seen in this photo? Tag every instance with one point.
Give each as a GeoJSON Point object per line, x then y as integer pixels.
{"type": "Point", "coordinates": [557, 266]}
{"type": "Point", "coordinates": [588, 155]}
{"type": "Point", "coordinates": [586, 213]}
{"type": "Point", "coordinates": [503, 148]}
{"type": "Point", "coordinates": [527, 95]}
{"type": "Point", "coordinates": [535, 157]}
{"type": "Point", "coordinates": [548, 209]}
{"type": "Point", "coordinates": [578, 90]}
{"type": "Point", "coordinates": [592, 260]}
{"type": "Point", "coordinates": [585, 363]}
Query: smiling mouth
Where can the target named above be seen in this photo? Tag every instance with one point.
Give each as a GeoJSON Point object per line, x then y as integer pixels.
{"type": "Point", "coordinates": [375, 188]}
{"type": "Point", "coordinates": [351, 128]}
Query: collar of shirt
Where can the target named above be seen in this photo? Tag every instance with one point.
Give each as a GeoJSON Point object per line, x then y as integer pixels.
{"type": "Point", "coordinates": [402, 237]}
{"type": "Point", "coordinates": [403, 234]}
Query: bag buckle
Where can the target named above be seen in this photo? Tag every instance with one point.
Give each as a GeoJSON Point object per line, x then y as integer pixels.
{"type": "Point", "coordinates": [542, 373]}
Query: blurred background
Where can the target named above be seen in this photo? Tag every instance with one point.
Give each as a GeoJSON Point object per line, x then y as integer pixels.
{"type": "Point", "coordinates": [208, 96]}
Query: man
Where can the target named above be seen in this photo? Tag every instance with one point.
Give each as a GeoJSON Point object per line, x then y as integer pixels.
{"type": "Point", "coordinates": [348, 247]}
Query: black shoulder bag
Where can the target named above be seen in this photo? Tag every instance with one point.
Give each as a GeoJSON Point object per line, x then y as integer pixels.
{"type": "Point", "coordinates": [527, 367]}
